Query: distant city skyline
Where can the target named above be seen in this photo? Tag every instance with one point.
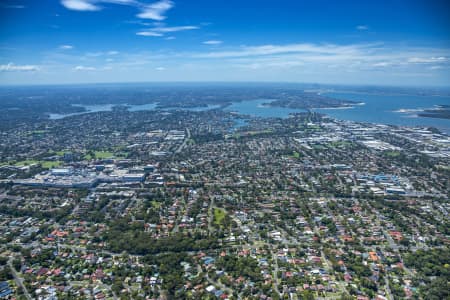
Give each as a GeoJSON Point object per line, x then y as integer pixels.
{"type": "Point", "coordinates": [404, 43]}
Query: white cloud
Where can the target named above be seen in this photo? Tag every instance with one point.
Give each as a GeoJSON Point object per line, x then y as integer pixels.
{"type": "Point", "coordinates": [174, 29]}
{"type": "Point", "coordinates": [83, 68]}
{"type": "Point", "coordinates": [436, 67]}
{"type": "Point", "coordinates": [121, 2]}
{"type": "Point", "coordinates": [272, 64]}
{"type": "Point", "coordinates": [362, 27]}
{"type": "Point", "coordinates": [80, 5]}
{"type": "Point", "coordinates": [286, 49]}
{"type": "Point", "coordinates": [66, 47]}
{"type": "Point", "coordinates": [160, 31]}
{"type": "Point", "coordinates": [18, 68]}
{"type": "Point", "coordinates": [149, 33]}
{"type": "Point", "coordinates": [301, 57]}
{"type": "Point", "coordinates": [90, 5]}
{"type": "Point", "coordinates": [212, 42]}
{"type": "Point", "coordinates": [381, 64]}
{"type": "Point", "coordinates": [102, 53]}
{"type": "Point", "coordinates": [422, 60]}
{"type": "Point", "coordinates": [308, 57]}
{"type": "Point", "coordinates": [155, 11]}
{"type": "Point", "coordinates": [372, 63]}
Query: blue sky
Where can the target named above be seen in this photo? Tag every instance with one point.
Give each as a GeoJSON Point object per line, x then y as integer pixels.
{"type": "Point", "coordinates": [396, 42]}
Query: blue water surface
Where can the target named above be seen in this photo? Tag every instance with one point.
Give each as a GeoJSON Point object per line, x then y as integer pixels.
{"type": "Point", "coordinates": [384, 109]}
{"type": "Point", "coordinates": [256, 108]}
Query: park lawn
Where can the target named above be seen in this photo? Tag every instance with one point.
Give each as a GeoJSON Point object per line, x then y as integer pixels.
{"type": "Point", "coordinates": [156, 204]}
{"type": "Point", "coordinates": [392, 153]}
{"type": "Point", "coordinates": [25, 162]}
{"type": "Point", "coordinates": [50, 164]}
{"type": "Point", "coordinates": [103, 154]}
{"type": "Point", "coordinates": [261, 132]}
{"type": "Point", "coordinates": [100, 155]}
{"type": "Point", "coordinates": [219, 214]}
{"type": "Point", "coordinates": [44, 164]}
{"type": "Point", "coordinates": [296, 154]}
{"type": "Point", "coordinates": [259, 243]}
{"type": "Point", "coordinates": [330, 295]}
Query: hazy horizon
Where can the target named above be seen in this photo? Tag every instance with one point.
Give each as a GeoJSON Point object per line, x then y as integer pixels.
{"type": "Point", "coordinates": [231, 83]}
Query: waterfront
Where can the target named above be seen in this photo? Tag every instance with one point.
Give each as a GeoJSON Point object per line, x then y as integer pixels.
{"type": "Point", "coordinates": [88, 109]}
{"type": "Point", "coordinates": [129, 107]}
{"type": "Point", "coordinates": [399, 110]}
{"type": "Point", "coordinates": [257, 108]}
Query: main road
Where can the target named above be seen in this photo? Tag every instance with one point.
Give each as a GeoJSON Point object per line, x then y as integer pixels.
{"type": "Point", "coordinates": [188, 136]}
{"type": "Point", "coordinates": [18, 279]}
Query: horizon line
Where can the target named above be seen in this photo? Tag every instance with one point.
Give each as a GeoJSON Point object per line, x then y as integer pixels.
{"type": "Point", "coordinates": [221, 82]}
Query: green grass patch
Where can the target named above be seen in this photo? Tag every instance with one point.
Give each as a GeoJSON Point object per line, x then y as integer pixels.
{"type": "Point", "coordinates": [50, 164]}
{"type": "Point", "coordinates": [252, 133]}
{"type": "Point", "coordinates": [99, 155]}
{"type": "Point", "coordinates": [156, 204]}
{"type": "Point", "coordinates": [43, 163]}
{"type": "Point", "coordinates": [392, 153]}
{"type": "Point", "coordinates": [103, 154]}
{"type": "Point", "coordinates": [219, 215]}
{"type": "Point", "coordinates": [331, 295]}
{"type": "Point", "coordinates": [25, 162]}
